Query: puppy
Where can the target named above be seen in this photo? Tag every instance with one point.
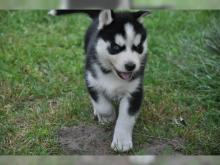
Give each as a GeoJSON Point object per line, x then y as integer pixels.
{"type": "Point", "coordinates": [116, 54]}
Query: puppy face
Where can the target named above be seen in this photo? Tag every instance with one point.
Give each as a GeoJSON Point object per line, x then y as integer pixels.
{"type": "Point", "coordinates": [121, 43]}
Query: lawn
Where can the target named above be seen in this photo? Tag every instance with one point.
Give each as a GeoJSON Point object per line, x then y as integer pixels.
{"type": "Point", "coordinates": [42, 87]}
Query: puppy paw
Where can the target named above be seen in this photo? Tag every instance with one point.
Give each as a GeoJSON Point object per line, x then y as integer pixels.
{"type": "Point", "coordinates": [121, 143]}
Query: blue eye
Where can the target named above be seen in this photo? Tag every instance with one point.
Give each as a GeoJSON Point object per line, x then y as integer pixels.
{"type": "Point", "coordinates": [115, 48]}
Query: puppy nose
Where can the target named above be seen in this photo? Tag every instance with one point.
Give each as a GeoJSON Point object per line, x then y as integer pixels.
{"type": "Point", "coordinates": [130, 66]}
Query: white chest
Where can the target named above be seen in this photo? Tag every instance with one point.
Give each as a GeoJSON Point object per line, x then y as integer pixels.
{"type": "Point", "coordinates": [112, 86]}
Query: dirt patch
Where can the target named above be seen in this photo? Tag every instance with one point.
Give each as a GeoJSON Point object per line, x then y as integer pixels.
{"type": "Point", "coordinates": [158, 146]}
{"type": "Point", "coordinates": [84, 139]}
{"type": "Point", "coordinates": [96, 140]}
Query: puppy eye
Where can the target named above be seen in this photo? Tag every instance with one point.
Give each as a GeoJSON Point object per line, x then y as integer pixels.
{"type": "Point", "coordinates": [139, 48]}
{"type": "Point", "coordinates": [115, 48]}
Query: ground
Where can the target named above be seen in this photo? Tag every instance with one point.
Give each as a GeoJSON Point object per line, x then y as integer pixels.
{"type": "Point", "coordinates": [94, 140]}
{"type": "Point", "coordinates": [42, 90]}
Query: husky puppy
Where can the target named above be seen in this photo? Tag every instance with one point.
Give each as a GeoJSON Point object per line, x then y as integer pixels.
{"type": "Point", "coordinates": [116, 48]}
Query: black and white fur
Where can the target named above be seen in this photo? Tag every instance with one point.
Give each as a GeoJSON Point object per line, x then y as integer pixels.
{"type": "Point", "coordinates": [116, 48]}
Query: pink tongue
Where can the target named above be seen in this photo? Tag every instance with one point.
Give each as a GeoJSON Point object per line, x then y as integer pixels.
{"type": "Point", "coordinates": [126, 76]}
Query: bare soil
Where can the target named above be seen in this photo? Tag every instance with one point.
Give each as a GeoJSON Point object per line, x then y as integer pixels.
{"type": "Point", "coordinates": [95, 140]}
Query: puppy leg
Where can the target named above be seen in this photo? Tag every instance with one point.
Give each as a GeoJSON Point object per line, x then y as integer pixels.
{"type": "Point", "coordinates": [103, 108]}
{"type": "Point", "coordinates": [128, 110]}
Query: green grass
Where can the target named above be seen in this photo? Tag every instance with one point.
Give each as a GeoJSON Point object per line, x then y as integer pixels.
{"type": "Point", "coordinates": [42, 87]}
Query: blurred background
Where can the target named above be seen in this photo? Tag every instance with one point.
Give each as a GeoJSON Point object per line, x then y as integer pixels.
{"type": "Point", "coordinates": [110, 160]}
{"type": "Point", "coordinates": [46, 4]}
{"type": "Point", "coordinates": [180, 4]}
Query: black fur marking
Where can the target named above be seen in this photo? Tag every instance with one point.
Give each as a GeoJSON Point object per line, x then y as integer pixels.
{"type": "Point", "coordinates": [135, 101]}
{"type": "Point", "coordinates": [92, 71]}
{"type": "Point", "coordinates": [93, 93]}
{"type": "Point", "coordinates": [140, 72]}
{"type": "Point", "coordinates": [91, 60]}
{"type": "Point", "coordinates": [115, 49]}
{"type": "Point", "coordinates": [138, 48]}
{"type": "Point", "coordinates": [89, 65]}
{"type": "Point", "coordinates": [104, 70]}
{"type": "Point", "coordinates": [117, 27]}
{"type": "Point", "coordinates": [92, 13]}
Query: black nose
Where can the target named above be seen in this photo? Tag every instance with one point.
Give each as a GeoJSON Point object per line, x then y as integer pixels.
{"type": "Point", "coordinates": [130, 66]}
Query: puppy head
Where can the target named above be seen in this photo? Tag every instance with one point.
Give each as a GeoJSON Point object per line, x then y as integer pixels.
{"type": "Point", "coordinates": [122, 42]}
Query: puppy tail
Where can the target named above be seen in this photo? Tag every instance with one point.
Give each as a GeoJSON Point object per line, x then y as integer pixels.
{"type": "Point", "coordinates": [92, 13]}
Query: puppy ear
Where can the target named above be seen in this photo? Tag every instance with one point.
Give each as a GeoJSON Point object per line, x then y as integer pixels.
{"type": "Point", "coordinates": [140, 14]}
{"type": "Point", "coordinates": [105, 18]}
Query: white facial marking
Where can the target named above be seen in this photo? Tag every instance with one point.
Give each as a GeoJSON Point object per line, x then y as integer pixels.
{"type": "Point", "coordinates": [118, 61]}
{"type": "Point", "coordinates": [119, 40]}
{"type": "Point", "coordinates": [102, 53]}
{"type": "Point", "coordinates": [137, 40]}
{"type": "Point", "coordinates": [130, 33]}
{"type": "Point", "coordinates": [102, 46]}
{"type": "Point", "coordinates": [127, 55]}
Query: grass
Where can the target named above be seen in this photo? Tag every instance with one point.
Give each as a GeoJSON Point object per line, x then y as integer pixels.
{"type": "Point", "coordinates": [42, 87]}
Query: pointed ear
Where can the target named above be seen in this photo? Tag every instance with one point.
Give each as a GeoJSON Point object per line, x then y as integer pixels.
{"type": "Point", "coordinates": [140, 14]}
{"type": "Point", "coordinates": [105, 18]}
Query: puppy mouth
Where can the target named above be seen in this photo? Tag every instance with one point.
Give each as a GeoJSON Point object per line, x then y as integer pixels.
{"type": "Point", "coordinates": [125, 75]}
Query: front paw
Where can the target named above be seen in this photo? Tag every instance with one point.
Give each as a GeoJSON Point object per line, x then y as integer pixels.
{"type": "Point", "coordinates": [122, 143]}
